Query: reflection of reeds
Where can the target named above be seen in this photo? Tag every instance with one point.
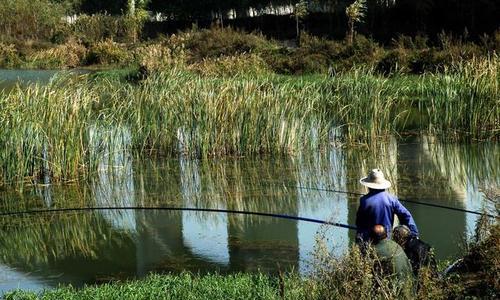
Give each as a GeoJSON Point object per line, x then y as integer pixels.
{"type": "Point", "coordinates": [383, 156]}
{"type": "Point", "coordinates": [41, 239]}
{"type": "Point", "coordinates": [477, 164]}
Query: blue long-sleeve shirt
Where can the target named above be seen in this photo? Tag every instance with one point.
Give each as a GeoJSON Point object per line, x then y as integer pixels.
{"type": "Point", "coordinates": [379, 207]}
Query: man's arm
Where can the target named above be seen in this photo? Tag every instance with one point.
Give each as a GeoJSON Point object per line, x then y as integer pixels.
{"type": "Point", "coordinates": [405, 216]}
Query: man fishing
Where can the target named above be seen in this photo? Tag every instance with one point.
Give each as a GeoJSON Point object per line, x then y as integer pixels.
{"type": "Point", "coordinates": [379, 207]}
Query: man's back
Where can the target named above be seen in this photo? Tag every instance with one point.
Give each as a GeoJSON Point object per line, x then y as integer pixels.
{"type": "Point", "coordinates": [393, 259]}
{"type": "Point", "coordinates": [379, 207]}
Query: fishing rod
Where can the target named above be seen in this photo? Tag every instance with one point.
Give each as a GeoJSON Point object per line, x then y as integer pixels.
{"type": "Point", "coordinates": [212, 210]}
{"type": "Point", "coordinates": [402, 200]}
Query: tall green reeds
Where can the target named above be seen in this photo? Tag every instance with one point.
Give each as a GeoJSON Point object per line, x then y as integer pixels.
{"type": "Point", "coordinates": [44, 129]}
{"type": "Point", "coordinates": [65, 128]}
{"type": "Point", "coordinates": [463, 100]}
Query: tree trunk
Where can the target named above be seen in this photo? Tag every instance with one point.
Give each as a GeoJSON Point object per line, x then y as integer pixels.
{"type": "Point", "coordinates": [350, 34]}
{"type": "Point", "coordinates": [298, 30]}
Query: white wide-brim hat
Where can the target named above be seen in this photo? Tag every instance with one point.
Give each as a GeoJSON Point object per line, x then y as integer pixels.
{"type": "Point", "coordinates": [375, 180]}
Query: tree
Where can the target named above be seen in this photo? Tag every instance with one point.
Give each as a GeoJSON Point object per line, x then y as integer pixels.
{"type": "Point", "coordinates": [299, 12]}
{"type": "Point", "coordinates": [355, 14]}
{"type": "Point", "coordinates": [137, 14]}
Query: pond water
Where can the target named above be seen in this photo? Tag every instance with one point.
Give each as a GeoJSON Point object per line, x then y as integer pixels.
{"type": "Point", "coordinates": [44, 250]}
{"type": "Point", "coordinates": [9, 78]}
{"type": "Point", "coordinates": [41, 251]}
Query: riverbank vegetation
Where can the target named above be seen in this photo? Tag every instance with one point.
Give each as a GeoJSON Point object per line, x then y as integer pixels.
{"type": "Point", "coordinates": [405, 55]}
{"type": "Point", "coordinates": [61, 129]}
{"type": "Point", "coordinates": [42, 34]}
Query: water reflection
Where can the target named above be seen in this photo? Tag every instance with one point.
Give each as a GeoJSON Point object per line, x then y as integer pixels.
{"type": "Point", "coordinates": [10, 78]}
{"type": "Point", "coordinates": [324, 171]}
{"type": "Point", "coordinates": [114, 182]}
{"type": "Point", "coordinates": [97, 246]}
{"type": "Point", "coordinates": [205, 233]}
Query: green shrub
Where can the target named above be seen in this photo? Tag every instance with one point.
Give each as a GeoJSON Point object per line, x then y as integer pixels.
{"type": "Point", "coordinates": [315, 55]}
{"type": "Point", "coordinates": [108, 52]}
{"type": "Point", "coordinates": [407, 42]}
{"type": "Point", "coordinates": [394, 61]}
{"type": "Point", "coordinates": [100, 27]}
{"type": "Point", "coordinates": [30, 19]}
{"type": "Point", "coordinates": [9, 56]}
{"type": "Point", "coordinates": [216, 42]}
{"type": "Point", "coordinates": [299, 62]}
{"type": "Point", "coordinates": [363, 51]}
{"type": "Point", "coordinates": [322, 46]}
{"type": "Point", "coordinates": [244, 64]}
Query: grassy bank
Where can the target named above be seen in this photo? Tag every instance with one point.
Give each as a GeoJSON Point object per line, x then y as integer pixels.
{"type": "Point", "coordinates": [185, 286]}
{"type": "Point", "coordinates": [65, 128]}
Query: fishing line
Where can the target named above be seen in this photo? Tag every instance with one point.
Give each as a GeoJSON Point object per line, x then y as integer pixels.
{"type": "Point", "coordinates": [402, 200]}
{"type": "Point", "coordinates": [212, 210]}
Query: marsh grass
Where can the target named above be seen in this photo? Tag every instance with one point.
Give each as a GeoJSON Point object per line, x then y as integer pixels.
{"type": "Point", "coordinates": [463, 100]}
{"type": "Point", "coordinates": [46, 129]}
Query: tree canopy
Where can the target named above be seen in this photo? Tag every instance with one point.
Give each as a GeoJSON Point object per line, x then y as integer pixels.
{"type": "Point", "coordinates": [382, 16]}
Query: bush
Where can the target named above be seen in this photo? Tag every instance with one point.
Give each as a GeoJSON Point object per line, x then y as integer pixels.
{"type": "Point", "coordinates": [478, 274]}
{"type": "Point", "coordinates": [108, 52]}
{"type": "Point", "coordinates": [407, 42]}
{"type": "Point", "coordinates": [328, 48]}
{"type": "Point", "coordinates": [491, 42]}
{"type": "Point", "coordinates": [166, 53]}
{"type": "Point", "coordinates": [436, 60]}
{"type": "Point", "coordinates": [217, 42]}
{"type": "Point", "coordinates": [355, 276]}
{"type": "Point", "coordinates": [298, 62]}
{"type": "Point", "coordinates": [394, 61]}
{"type": "Point", "coordinates": [100, 27]}
{"type": "Point", "coordinates": [231, 66]}
{"type": "Point", "coordinates": [363, 51]}
{"type": "Point", "coordinates": [70, 54]}
{"type": "Point", "coordinates": [9, 57]}
{"type": "Point", "coordinates": [30, 19]}
{"type": "Point", "coordinates": [315, 55]}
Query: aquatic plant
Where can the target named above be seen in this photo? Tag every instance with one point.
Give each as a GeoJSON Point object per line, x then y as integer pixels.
{"type": "Point", "coordinates": [463, 100]}
{"type": "Point", "coordinates": [47, 129]}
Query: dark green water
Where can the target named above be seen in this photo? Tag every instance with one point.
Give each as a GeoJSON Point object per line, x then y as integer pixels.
{"type": "Point", "coordinates": [42, 251]}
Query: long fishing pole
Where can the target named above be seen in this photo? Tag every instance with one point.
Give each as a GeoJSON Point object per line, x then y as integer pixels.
{"type": "Point", "coordinates": [212, 210]}
{"type": "Point", "coordinates": [403, 200]}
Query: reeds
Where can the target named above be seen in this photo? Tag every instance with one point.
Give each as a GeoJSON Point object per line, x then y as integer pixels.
{"type": "Point", "coordinates": [47, 129]}
{"type": "Point", "coordinates": [463, 100]}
